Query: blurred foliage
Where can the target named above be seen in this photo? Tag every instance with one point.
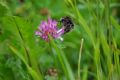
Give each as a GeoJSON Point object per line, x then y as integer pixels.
{"type": "Point", "coordinates": [24, 55]}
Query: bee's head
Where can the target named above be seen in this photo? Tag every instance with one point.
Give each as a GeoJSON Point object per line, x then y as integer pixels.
{"type": "Point", "coordinates": [65, 19]}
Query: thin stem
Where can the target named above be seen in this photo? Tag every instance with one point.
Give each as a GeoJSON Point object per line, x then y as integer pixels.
{"type": "Point", "coordinates": [79, 59]}
{"type": "Point", "coordinates": [23, 41]}
{"type": "Point", "coordinates": [54, 56]}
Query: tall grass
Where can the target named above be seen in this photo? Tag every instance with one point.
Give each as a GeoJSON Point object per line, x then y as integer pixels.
{"type": "Point", "coordinates": [100, 39]}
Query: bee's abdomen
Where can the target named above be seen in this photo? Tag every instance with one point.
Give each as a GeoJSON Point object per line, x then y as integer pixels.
{"type": "Point", "coordinates": [67, 23]}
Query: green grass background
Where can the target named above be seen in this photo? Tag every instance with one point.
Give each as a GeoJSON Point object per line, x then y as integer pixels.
{"type": "Point", "coordinates": [91, 51]}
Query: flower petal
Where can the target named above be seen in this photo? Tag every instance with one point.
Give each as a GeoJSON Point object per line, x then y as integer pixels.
{"type": "Point", "coordinates": [38, 33]}
{"type": "Point", "coordinates": [60, 32]}
{"type": "Point", "coordinates": [49, 27]}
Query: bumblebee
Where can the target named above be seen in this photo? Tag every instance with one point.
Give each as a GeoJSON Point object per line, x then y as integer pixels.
{"type": "Point", "coordinates": [67, 24]}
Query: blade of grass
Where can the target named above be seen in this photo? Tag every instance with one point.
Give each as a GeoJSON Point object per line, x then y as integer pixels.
{"type": "Point", "coordinates": [116, 59]}
{"type": "Point", "coordinates": [106, 50]}
{"type": "Point", "coordinates": [63, 60]}
{"type": "Point", "coordinates": [22, 33]}
{"type": "Point", "coordinates": [26, 55]}
{"type": "Point", "coordinates": [114, 23]}
{"type": "Point", "coordinates": [26, 44]}
{"type": "Point", "coordinates": [79, 59]}
{"type": "Point", "coordinates": [85, 73]}
{"type": "Point", "coordinates": [34, 75]}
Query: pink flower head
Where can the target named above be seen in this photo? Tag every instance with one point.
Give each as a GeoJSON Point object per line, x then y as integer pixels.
{"type": "Point", "coordinates": [49, 28]}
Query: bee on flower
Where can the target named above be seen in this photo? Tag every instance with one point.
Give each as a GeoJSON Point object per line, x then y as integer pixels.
{"type": "Point", "coordinates": [49, 27]}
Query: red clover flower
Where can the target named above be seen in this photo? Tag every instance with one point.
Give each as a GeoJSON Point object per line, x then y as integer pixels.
{"type": "Point", "coordinates": [49, 28]}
